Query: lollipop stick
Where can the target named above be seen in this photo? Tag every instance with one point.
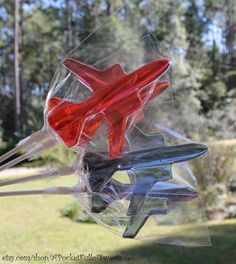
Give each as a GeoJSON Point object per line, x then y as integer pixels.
{"type": "Point", "coordinates": [32, 152]}
{"type": "Point", "coordinates": [52, 191]}
{"type": "Point", "coordinates": [10, 153]}
{"type": "Point", "coordinates": [12, 162]}
{"type": "Point", "coordinates": [26, 143]}
{"type": "Point", "coordinates": [50, 173]}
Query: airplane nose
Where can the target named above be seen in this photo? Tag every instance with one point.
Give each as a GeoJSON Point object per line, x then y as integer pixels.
{"type": "Point", "coordinates": [191, 192]}
{"type": "Point", "coordinates": [164, 63]}
{"type": "Point", "coordinates": [153, 70]}
{"type": "Point", "coordinates": [201, 148]}
{"type": "Point", "coordinates": [162, 66]}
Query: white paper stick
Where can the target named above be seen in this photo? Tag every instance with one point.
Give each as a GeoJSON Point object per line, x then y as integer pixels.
{"type": "Point", "coordinates": [51, 191]}
{"type": "Point", "coordinates": [10, 153]}
{"type": "Point", "coordinates": [31, 153]}
{"type": "Point", "coordinates": [25, 143]}
{"type": "Point", "coordinates": [46, 174]}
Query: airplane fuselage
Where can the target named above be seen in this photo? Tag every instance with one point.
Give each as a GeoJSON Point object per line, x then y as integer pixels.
{"type": "Point", "coordinates": [152, 157]}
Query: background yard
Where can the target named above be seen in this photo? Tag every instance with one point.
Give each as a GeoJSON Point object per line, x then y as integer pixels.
{"type": "Point", "coordinates": [32, 225]}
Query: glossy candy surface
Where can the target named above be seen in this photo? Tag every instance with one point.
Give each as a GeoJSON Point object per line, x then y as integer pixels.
{"type": "Point", "coordinates": [149, 171]}
{"type": "Point", "coordinates": [116, 96]}
{"type": "Point", "coordinates": [152, 163]}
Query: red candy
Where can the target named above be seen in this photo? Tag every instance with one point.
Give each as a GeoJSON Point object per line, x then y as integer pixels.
{"type": "Point", "coordinates": [116, 96]}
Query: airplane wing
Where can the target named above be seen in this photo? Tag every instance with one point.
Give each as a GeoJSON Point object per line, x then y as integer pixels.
{"type": "Point", "coordinates": [112, 191]}
{"type": "Point", "coordinates": [117, 120]}
{"type": "Point", "coordinates": [100, 170]}
{"type": "Point", "coordinates": [145, 179]}
{"type": "Point", "coordinates": [93, 78]}
{"type": "Point", "coordinates": [54, 102]}
{"type": "Point", "coordinates": [156, 203]}
{"type": "Point", "coordinates": [150, 207]}
{"type": "Point", "coordinates": [173, 192]}
{"type": "Point", "coordinates": [158, 88]}
{"type": "Point", "coordinates": [114, 70]}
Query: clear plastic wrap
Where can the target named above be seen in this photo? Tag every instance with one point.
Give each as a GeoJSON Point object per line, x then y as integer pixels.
{"type": "Point", "coordinates": [110, 102]}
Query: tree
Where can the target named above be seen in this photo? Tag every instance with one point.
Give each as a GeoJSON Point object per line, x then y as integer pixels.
{"type": "Point", "coordinates": [69, 32]}
{"type": "Point", "coordinates": [17, 69]}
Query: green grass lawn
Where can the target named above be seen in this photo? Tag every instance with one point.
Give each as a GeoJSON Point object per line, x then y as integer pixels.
{"type": "Point", "coordinates": [30, 225]}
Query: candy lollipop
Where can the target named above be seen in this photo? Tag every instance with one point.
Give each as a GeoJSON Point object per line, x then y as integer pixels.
{"type": "Point", "coordinates": [116, 96]}
{"type": "Point", "coordinates": [99, 87]}
{"type": "Point", "coordinates": [114, 99]}
{"type": "Point", "coordinates": [149, 191]}
{"type": "Point", "coordinates": [147, 168]}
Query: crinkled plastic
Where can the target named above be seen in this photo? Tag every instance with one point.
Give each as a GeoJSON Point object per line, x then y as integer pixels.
{"type": "Point", "coordinates": [110, 102]}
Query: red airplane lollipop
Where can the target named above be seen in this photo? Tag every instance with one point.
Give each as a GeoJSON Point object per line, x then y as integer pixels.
{"type": "Point", "coordinates": [113, 100]}
{"type": "Point", "coordinates": [116, 96]}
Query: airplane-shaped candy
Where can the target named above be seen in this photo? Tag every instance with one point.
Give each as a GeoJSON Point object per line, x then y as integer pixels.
{"type": "Point", "coordinates": [116, 96]}
{"type": "Point", "coordinates": [149, 189]}
{"type": "Point", "coordinates": [147, 168]}
{"type": "Point", "coordinates": [155, 203]}
{"type": "Point", "coordinates": [113, 100]}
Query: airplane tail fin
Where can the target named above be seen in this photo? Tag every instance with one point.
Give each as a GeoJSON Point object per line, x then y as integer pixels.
{"type": "Point", "coordinates": [98, 204]}
{"type": "Point", "coordinates": [100, 170]}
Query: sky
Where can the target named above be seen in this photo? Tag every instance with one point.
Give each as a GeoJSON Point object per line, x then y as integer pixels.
{"type": "Point", "coordinates": [214, 32]}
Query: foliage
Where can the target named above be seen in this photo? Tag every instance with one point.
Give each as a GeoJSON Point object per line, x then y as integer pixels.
{"type": "Point", "coordinates": [76, 213]}
{"type": "Point", "coordinates": [214, 184]}
{"type": "Point", "coordinates": [58, 155]}
{"type": "Point", "coordinates": [231, 211]}
{"type": "Point", "coordinates": [222, 120]}
{"type": "Point", "coordinates": [2, 143]}
{"type": "Point", "coordinates": [71, 210]}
